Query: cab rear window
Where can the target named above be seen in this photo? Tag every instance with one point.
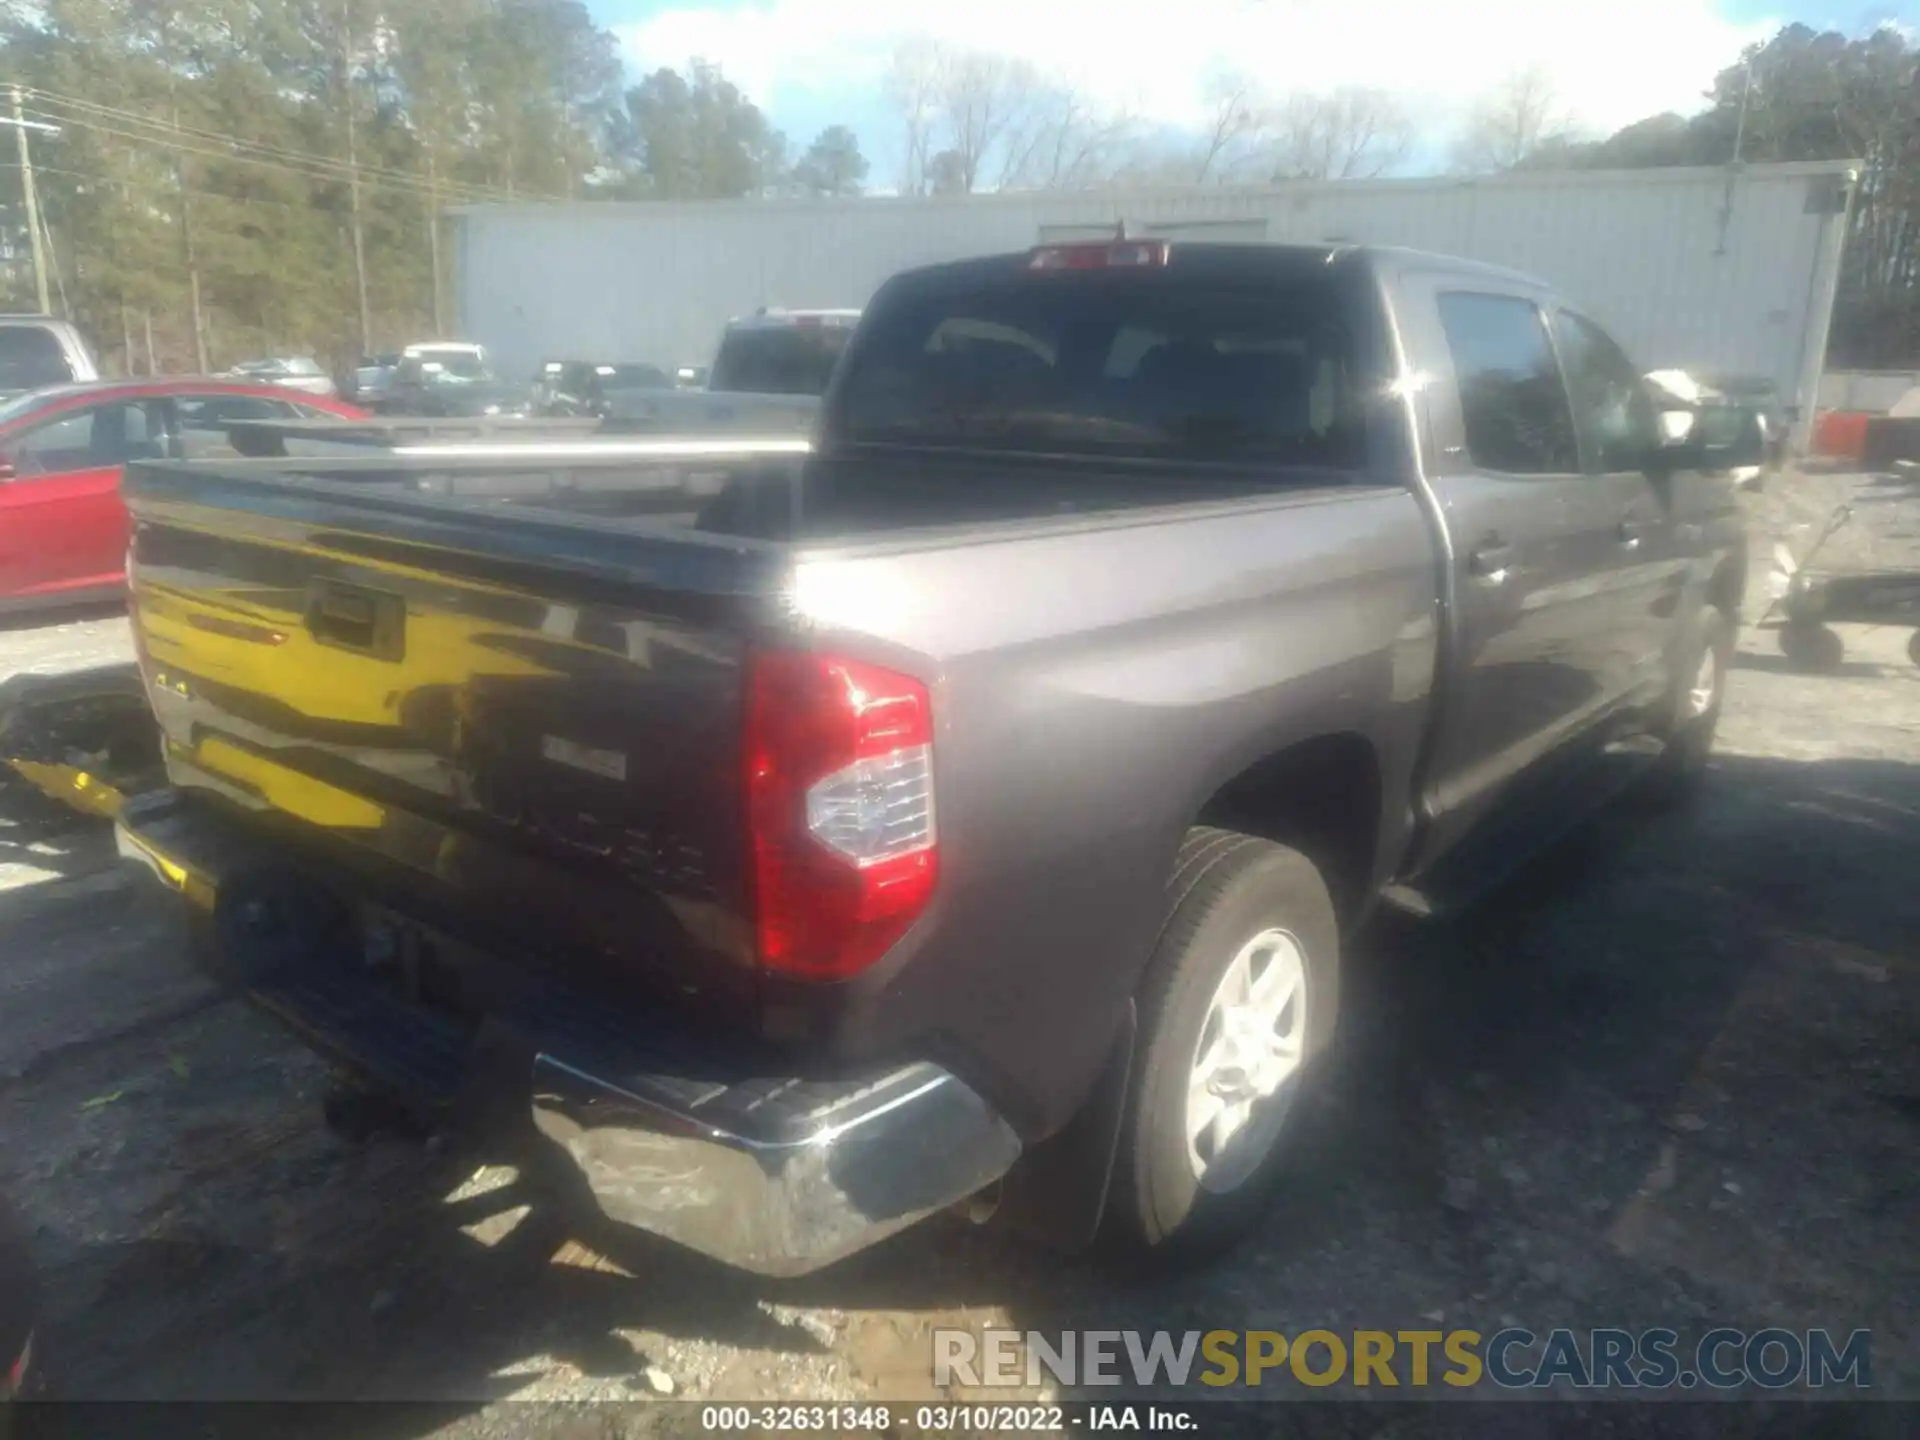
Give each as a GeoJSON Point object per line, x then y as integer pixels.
{"type": "Point", "coordinates": [1151, 365]}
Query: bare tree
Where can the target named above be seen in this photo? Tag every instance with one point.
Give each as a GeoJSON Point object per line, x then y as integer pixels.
{"type": "Point", "coordinates": [1238, 116]}
{"type": "Point", "coordinates": [992, 120]}
{"type": "Point", "coordinates": [955, 104]}
{"type": "Point", "coordinates": [981, 97]}
{"type": "Point", "coordinates": [1350, 134]}
{"type": "Point", "coordinates": [912, 88]}
{"type": "Point", "coordinates": [1056, 140]}
{"type": "Point", "coordinates": [1515, 119]}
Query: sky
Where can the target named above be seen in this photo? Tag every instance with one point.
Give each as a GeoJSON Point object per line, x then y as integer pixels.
{"type": "Point", "coordinates": [813, 63]}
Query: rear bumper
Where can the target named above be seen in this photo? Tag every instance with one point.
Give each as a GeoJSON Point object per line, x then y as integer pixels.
{"type": "Point", "coordinates": [775, 1174]}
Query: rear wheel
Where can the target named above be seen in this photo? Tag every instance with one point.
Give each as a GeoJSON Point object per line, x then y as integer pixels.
{"type": "Point", "coordinates": [1238, 1003]}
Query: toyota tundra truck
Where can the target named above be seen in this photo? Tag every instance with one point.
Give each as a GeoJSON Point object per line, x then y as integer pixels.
{"type": "Point", "coordinates": [965, 808]}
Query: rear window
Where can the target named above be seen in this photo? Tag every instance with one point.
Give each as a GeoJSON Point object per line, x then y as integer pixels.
{"type": "Point", "coordinates": [778, 360]}
{"type": "Point", "coordinates": [1149, 365]}
{"type": "Point", "coordinates": [30, 357]}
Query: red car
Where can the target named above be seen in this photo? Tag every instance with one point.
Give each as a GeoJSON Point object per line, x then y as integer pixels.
{"type": "Point", "coordinates": [63, 530]}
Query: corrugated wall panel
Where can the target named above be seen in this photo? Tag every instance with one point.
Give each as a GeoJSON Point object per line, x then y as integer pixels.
{"type": "Point", "coordinates": [1687, 269]}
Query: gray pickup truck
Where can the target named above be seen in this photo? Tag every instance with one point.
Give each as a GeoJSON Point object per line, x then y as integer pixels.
{"type": "Point", "coordinates": [965, 809]}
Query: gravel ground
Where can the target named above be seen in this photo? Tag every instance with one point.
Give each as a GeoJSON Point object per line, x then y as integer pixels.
{"type": "Point", "coordinates": [1669, 1078]}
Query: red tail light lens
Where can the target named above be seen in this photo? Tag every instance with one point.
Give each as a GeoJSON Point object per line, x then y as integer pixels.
{"type": "Point", "coordinates": [18, 1372]}
{"type": "Point", "coordinates": [840, 823]}
{"type": "Point", "coordinates": [1107, 255]}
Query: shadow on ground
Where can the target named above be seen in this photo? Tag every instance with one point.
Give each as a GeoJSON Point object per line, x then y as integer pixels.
{"type": "Point", "coordinates": [1726, 997]}
{"type": "Point", "coordinates": [1765, 664]}
{"type": "Point", "coordinates": [39, 831]}
{"type": "Point", "coordinates": [54, 618]}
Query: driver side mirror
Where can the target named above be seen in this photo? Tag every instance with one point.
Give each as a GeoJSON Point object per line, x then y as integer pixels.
{"type": "Point", "coordinates": [1676, 428]}
{"type": "Point", "coordinates": [1712, 438]}
{"type": "Point", "coordinates": [7, 470]}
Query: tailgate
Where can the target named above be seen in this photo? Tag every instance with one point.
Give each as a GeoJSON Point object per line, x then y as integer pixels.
{"type": "Point", "coordinates": [517, 723]}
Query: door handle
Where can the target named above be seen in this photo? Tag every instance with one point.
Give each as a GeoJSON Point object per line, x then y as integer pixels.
{"type": "Point", "coordinates": [1492, 559]}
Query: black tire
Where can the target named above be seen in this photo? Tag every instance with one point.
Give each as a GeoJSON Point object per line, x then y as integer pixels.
{"type": "Point", "coordinates": [1688, 726]}
{"type": "Point", "coordinates": [1913, 647]}
{"type": "Point", "coordinates": [1811, 647]}
{"type": "Point", "coordinates": [1227, 889]}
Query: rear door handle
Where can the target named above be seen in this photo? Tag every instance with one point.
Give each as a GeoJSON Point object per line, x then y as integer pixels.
{"type": "Point", "coordinates": [1492, 560]}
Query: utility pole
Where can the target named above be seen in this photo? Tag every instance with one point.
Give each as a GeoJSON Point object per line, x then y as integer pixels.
{"type": "Point", "coordinates": [188, 251]}
{"type": "Point", "coordinates": [21, 125]}
{"type": "Point", "coordinates": [1733, 166]}
{"type": "Point", "coordinates": [353, 179]}
{"type": "Point", "coordinates": [433, 243]}
{"type": "Point", "coordinates": [1740, 125]}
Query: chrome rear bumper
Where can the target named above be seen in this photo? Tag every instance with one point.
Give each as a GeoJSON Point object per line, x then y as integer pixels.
{"type": "Point", "coordinates": [774, 1174]}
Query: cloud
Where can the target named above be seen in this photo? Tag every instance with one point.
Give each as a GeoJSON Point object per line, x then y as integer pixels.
{"type": "Point", "coordinates": [1610, 64]}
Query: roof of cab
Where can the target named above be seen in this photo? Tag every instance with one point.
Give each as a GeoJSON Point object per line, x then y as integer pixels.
{"type": "Point", "coordinates": [1250, 261]}
{"type": "Point", "coordinates": [773, 318]}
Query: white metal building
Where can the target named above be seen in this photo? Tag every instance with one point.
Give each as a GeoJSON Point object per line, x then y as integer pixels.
{"type": "Point", "coordinates": [1729, 270]}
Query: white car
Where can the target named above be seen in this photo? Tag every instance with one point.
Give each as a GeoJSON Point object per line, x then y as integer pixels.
{"type": "Point", "coordinates": [295, 372]}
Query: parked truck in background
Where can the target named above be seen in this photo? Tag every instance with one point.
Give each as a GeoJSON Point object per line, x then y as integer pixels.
{"type": "Point", "coordinates": [767, 376]}
{"type": "Point", "coordinates": [450, 379]}
{"type": "Point", "coordinates": [975, 802]}
{"type": "Point", "coordinates": [38, 350]}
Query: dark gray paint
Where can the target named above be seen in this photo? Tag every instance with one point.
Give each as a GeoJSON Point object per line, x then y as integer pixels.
{"type": "Point", "coordinates": [1097, 679]}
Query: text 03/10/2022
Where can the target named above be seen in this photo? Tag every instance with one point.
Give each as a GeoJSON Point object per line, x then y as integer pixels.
{"type": "Point", "coordinates": [1510, 1358]}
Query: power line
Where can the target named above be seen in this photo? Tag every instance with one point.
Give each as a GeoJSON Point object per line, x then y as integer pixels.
{"type": "Point", "coordinates": [414, 189]}
{"type": "Point", "coordinates": [298, 159]}
{"type": "Point", "coordinates": [114, 182]}
{"type": "Point", "coordinates": [280, 152]}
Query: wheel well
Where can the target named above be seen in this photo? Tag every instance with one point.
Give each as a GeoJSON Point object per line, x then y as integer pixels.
{"type": "Point", "coordinates": [1322, 797]}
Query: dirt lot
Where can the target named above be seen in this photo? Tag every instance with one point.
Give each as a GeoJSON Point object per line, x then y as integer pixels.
{"type": "Point", "coordinates": [1671, 1078]}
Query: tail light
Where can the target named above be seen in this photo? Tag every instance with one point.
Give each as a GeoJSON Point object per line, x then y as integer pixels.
{"type": "Point", "coordinates": [1107, 255]}
{"type": "Point", "coordinates": [840, 823]}
{"type": "Point", "coordinates": [19, 1372]}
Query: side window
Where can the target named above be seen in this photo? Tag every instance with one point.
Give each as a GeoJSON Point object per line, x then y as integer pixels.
{"type": "Point", "coordinates": [1611, 410]}
{"type": "Point", "coordinates": [204, 420]}
{"type": "Point", "coordinates": [1511, 397]}
{"type": "Point", "coordinates": [55, 447]}
{"type": "Point", "coordinates": [210, 412]}
{"type": "Point", "coordinates": [92, 439]}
